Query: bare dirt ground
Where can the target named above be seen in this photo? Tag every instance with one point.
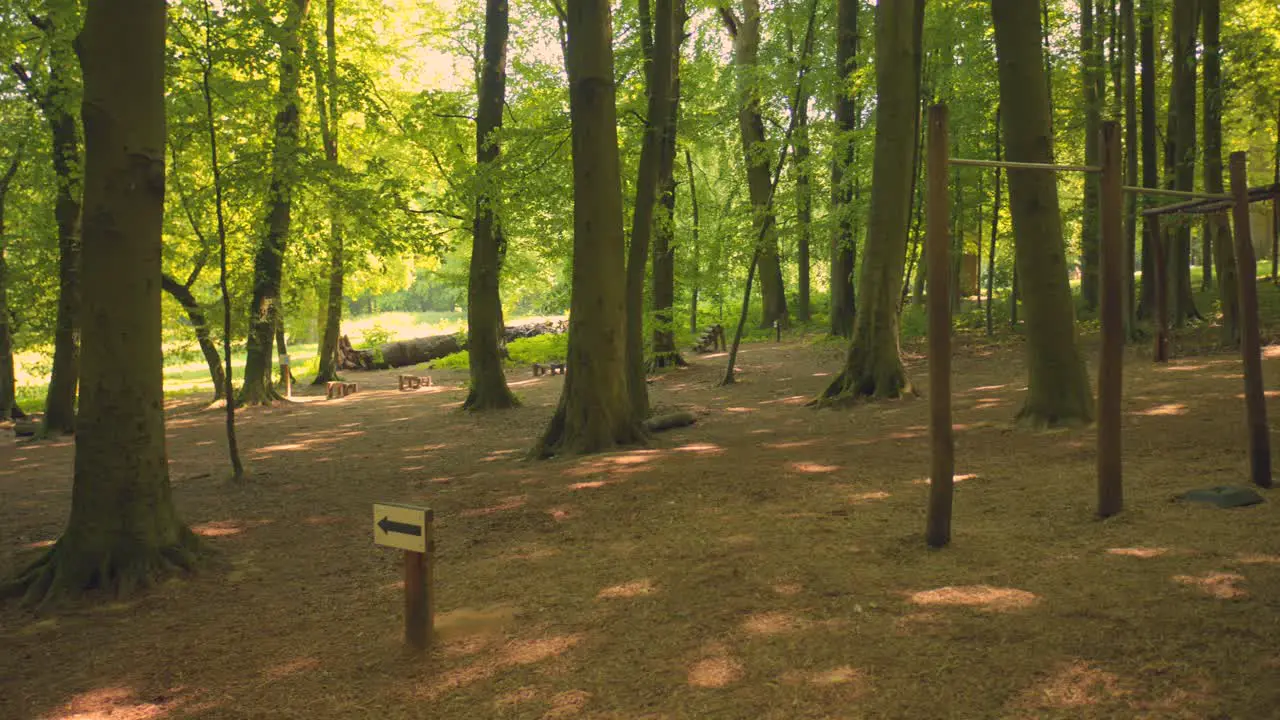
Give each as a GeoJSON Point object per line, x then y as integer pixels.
{"type": "Point", "coordinates": [765, 563]}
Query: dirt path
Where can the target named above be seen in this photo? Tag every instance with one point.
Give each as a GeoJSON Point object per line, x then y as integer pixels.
{"type": "Point", "coordinates": [766, 563]}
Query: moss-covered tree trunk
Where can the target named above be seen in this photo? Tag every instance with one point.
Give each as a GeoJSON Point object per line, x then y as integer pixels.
{"type": "Point", "coordinates": [746, 51]}
{"type": "Point", "coordinates": [1218, 225]}
{"type": "Point", "coordinates": [123, 531]}
{"type": "Point", "coordinates": [268, 262]}
{"type": "Point", "coordinates": [663, 291]}
{"type": "Point", "coordinates": [842, 164]}
{"type": "Point", "coordinates": [327, 107]}
{"type": "Point", "coordinates": [195, 314]}
{"type": "Point", "coordinates": [1091, 80]}
{"type": "Point", "coordinates": [1181, 135]}
{"type": "Point", "coordinates": [8, 382]}
{"type": "Point", "coordinates": [488, 389]}
{"type": "Point", "coordinates": [656, 53]}
{"type": "Point", "coordinates": [874, 366]}
{"type": "Point", "coordinates": [595, 411]}
{"type": "Point", "coordinates": [1057, 386]}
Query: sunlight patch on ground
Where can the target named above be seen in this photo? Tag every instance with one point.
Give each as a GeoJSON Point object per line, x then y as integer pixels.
{"type": "Point", "coordinates": [865, 497]}
{"type": "Point", "coordinates": [290, 667]}
{"type": "Point", "coordinates": [1220, 585]}
{"type": "Point", "coordinates": [739, 410]}
{"type": "Point", "coordinates": [1257, 559]}
{"type": "Point", "coordinates": [955, 479]}
{"type": "Point", "coordinates": [1138, 552]}
{"type": "Point", "coordinates": [635, 588]}
{"type": "Point", "coordinates": [224, 528]}
{"type": "Point", "coordinates": [788, 589]}
{"type": "Point", "coordinates": [843, 675]}
{"type": "Point", "coordinates": [771, 623]}
{"type": "Point", "coordinates": [986, 388]}
{"type": "Point", "coordinates": [506, 503]}
{"type": "Point", "coordinates": [567, 704]}
{"type": "Point", "coordinates": [38, 544]}
{"type": "Point", "coordinates": [789, 445]}
{"type": "Point", "coordinates": [984, 597]}
{"type": "Point", "coordinates": [1184, 368]}
{"type": "Point", "coordinates": [715, 672]}
{"type": "Point", "coordinates": [701, 449]}
{"type": "Point", "coordinates": [1073, 686]}
{"type": "Point", "coordinates": [465, 622]}
{"type": "Point", "coordinates": [116, 703]}
{"type": "Point", "coordinates": [813, 468]}
{"type": "Point", "coordinates": [591, 484]}
{"type": "Point", "coordinates": [560, 514]}
{"type": "Point", "coordinates": [1164, 409]}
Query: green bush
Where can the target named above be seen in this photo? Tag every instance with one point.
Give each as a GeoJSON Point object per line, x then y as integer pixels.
{"type": "Point", "coordinates": [456, 361]}
{"type": "Point", "coordinates": [375, 337]}
{"type": "Point", "coordinates": [541, 349]}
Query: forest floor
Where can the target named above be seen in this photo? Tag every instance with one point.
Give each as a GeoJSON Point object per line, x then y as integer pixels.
{"type": "Point", "coordinates": [767, 562]}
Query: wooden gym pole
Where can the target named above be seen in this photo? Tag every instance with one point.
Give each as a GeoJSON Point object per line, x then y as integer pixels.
{"type": "Point", "coordinates": [1250, 342]}
{"type": "Point", "coordinates": [1111, 363]}
{"type": "Point", "coordinates": [937, 247]}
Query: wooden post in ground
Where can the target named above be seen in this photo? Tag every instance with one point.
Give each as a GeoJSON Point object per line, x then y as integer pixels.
{"type": "Point", "coordinates": [1250, 342]}
{"type": "Point", "coordinates": [937, 247]}
{"type": "Point", "coordinates": [1161, 290]}
{"type": "Point", "coordinates": [1111, 363]}
{"type": "Point", "coordinates": [419, 592]}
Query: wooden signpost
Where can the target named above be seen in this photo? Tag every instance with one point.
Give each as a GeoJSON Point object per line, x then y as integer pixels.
{"type": "Point", "coordinates": [408, 527]}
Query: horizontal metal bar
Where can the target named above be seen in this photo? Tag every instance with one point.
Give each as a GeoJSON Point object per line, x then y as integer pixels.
{"type": "Point", "coordinates": [1175, 193]}
{"type": "Point", "coordinates": [1025, 166]}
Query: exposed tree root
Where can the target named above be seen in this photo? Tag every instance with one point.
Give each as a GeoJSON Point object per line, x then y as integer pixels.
{"type": "Point", "coordinates": [258, 394]}
{"type": "Point", "coordinates": [65, 573]}
{"type": "Point", "coordinates": [866, 383]}
{"type": "Point", "coordinates": [493, 399]}
{"type": "Point", "coordinates": [585, 437]}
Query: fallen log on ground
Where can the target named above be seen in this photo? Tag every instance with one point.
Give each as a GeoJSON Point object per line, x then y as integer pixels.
{"type": "Point", "coordinates": [404, 353]}
{"type": "Point", "coordinates": [658, 423]}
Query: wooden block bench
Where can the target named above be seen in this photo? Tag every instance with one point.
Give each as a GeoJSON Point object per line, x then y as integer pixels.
{"type": "Point", "coordinates": [340, 389]}
{"type": "Point", "coordinates": [549, 369]}
{"type": "Point", "coordinates": [415, 382]}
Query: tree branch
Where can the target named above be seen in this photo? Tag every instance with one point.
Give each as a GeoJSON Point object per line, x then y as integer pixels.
{"type": "Point", "coordinates": [730, 20]}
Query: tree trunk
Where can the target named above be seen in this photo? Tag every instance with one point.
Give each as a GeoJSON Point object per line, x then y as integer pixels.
{"type": "Point", "coordinates": [874, 366]}
{"type": "Point", "coordinates": [1130, 81]}
{"type": "Point", "coordinates": [195, 314]}
{"type": "Point", "coordinates": [1150, 171]}
{"type": "Point", "coordinates": [595, 412]}
{"type": "Point", "coordinates": [1092, 82]}
{"type": "Point", "coordinates": [1218, 226]}
{"type": "Point", "coordinates": [843, 247]}
{"type": "Point", "coordinates": [55, 105]}
{"type": "Point", "coordinates": [746, 50]}
{"type": "Point", "coordinates": [663, 295]}
{"type": "Point", "coordinates": [1058, 386]}
{"type": "Point", "coordinates": [123, 531]}
{"type": "Point", "coordinates": [696, 273]}
{"type": "Point", "coordinates": [488, 389]}
{"type": "Point", "coordinates": [268, 264]}
{"type": "Point", "coordinates": [8, 382]}
{"type": "Point", "coordinates": [995, 229]}
{"type": "Point", "coordinates": [656, 50]}
{"type": "Point", "coordinates": [804, 194]}
{"type": "Point", "coordinates": [327, 107]}
{"type": "Point", "coordinates": [1182, 147]}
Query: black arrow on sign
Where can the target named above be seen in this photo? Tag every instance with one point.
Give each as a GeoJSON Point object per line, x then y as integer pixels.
{"type": "Point", "coordinates": [390, 526]}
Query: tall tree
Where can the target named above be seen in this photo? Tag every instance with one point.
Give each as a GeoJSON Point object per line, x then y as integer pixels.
{"type": "Point", "coordinates": [268, 263]}
{"type": "Point", "coordinates": [842, 162]}
{"type": "Point", "coordinates": [656, 50]}
{"type": "Point", "coordinates": [745, 32]}
{"type": "Point", "coordinates": [1058, 386]}
{"type": "Point", "coordinates": [8, 382]}
{"type": "Point", "coordinates": [327, 111]}
{"type": "Point", "coordinates": [1091, 80]}
{"type": "Point", "coordinates": [1150, 171]}
{"type": "Point", "coordinates": [1218, 226]}
{"type": "Point", "coordinates": [484, 304]}
{"type": "Point", "coordinates": [663, 292]}
{"type": "Point", "coordinates": [55, 97]}
{"type": "Point", "coordinates": [873, 367]}
{"type": "Point", "coordinates": [1181, 155]}
{"type": "Point", "coordinates": [804, 191]}
{"type": "Point", "coordinates": [123, 531]}
{"type": "Point", "coordinates": [595, 412]}
{"type": "Point", "coordinates": [1129, 58]}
